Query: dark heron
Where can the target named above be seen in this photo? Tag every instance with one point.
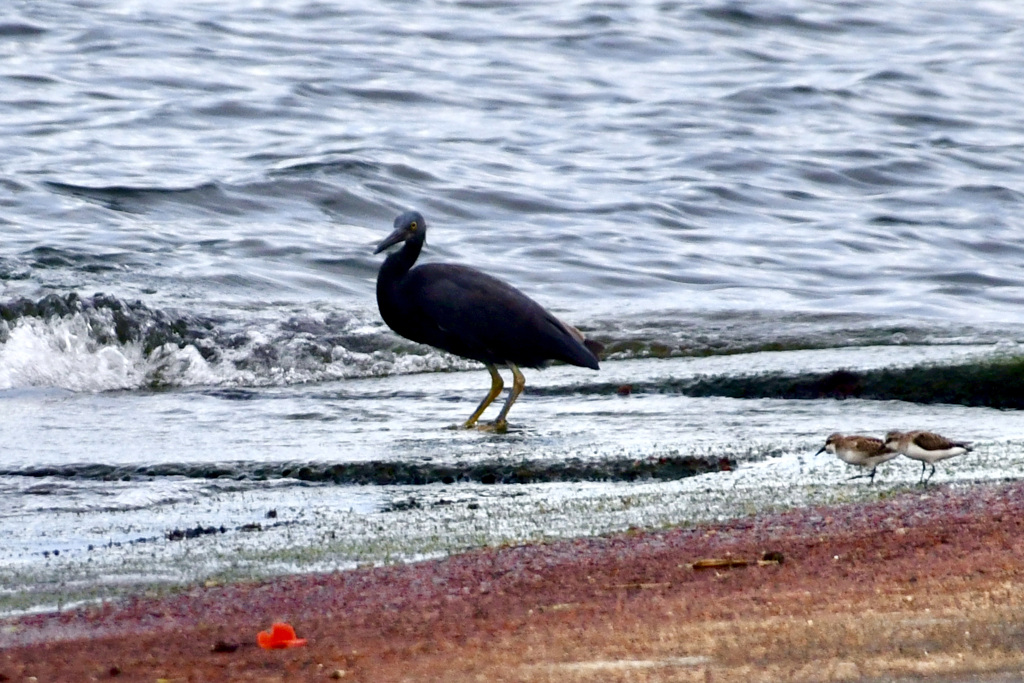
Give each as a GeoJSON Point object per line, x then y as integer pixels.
{"type": "Point", "coordinates": [468, 313]}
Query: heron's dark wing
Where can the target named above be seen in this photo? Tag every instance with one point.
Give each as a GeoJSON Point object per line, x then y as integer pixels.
{"type": "Point", "coordinates": [481, 317]}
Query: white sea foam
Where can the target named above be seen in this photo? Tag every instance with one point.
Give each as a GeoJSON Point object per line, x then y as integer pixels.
{"type": "Point", "coordinates": [64, 353]}
{"type": "Point", "coordinates": [69, 353]}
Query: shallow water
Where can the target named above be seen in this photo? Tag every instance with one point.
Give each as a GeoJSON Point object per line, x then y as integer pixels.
{"type": "Point", "coordinates": [782, 220]}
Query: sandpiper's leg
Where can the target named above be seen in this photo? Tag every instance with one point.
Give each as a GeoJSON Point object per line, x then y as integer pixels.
{"type": "Point", "coordinates": [930, 475]}
{"type": "Point", "coordinates": [924, 466]}
{"type": "Point", "coordinates": [496, 386]}
{"type": "Point", "coordinates": [518, 384]}
{"type": "Point", "coordinates": [872, 481]}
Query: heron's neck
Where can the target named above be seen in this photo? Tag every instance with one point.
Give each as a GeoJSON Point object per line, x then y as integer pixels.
{"type": "Point", "coordinates": [398, 263]}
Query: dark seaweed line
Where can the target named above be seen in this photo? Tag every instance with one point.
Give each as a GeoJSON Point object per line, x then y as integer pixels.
{"type": "Point", "coordinates": [403, 473]}
{"type": "Point", "coordinates": [997, 383]}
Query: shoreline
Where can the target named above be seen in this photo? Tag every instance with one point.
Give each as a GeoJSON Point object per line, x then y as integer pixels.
{"type": "Point", "coordinates": [229, 531]}
{"type": "Point", "coordinates": [925, 583]}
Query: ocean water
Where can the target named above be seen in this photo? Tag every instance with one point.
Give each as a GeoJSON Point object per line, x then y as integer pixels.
{"type": "Point", "coordinates": [782, 219]}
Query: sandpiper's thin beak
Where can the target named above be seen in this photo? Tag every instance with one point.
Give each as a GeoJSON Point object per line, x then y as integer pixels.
{"type": "Point", "coordinates": [399, 235]}
{"type": "Point", "coordinates": [820, 451]}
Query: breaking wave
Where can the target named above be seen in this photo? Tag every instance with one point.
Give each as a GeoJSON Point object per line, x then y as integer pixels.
{"type": "Point", "coordinates": [103, 343]}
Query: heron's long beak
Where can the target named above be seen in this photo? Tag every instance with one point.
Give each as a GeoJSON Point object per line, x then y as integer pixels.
{"type": "Point", "coordinates": [399, 235]}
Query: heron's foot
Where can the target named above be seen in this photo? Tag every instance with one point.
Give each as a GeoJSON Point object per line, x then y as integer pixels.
{"type": "Point", "coordinates": [496, 427]}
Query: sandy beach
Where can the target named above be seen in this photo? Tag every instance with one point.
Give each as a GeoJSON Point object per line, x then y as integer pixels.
{"type": "Point", "coordinates": [926, 584]}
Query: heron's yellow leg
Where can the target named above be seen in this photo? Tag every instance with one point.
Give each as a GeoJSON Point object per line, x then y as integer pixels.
{"type": "Point", "coordinates": [496, 386]}
{"type": "Point", "coordinates": [518, 384]}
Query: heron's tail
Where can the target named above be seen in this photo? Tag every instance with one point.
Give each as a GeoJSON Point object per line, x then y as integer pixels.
{"type": "Point", "coordinates": [587, 352]}
{"type": "Point", "coordinates": [595, 347]}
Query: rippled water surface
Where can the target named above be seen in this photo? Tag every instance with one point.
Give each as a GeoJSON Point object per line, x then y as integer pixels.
{"type": "Point", "coordinates": [782, 219]}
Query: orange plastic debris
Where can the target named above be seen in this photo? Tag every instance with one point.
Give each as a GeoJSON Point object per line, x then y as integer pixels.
{"type": "Point", "coordinates": [280, 636]}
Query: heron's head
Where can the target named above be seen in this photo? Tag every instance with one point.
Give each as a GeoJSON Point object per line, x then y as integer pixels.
{"type": "Point", "coordinates": [409, 226]}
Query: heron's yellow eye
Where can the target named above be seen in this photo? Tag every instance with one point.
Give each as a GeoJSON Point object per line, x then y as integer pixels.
{"type": "Point", "coordinates": [413, 226]}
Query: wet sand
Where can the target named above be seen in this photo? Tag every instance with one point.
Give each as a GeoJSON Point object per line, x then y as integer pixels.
{"type": "Point", "coordinates": [926, 584]}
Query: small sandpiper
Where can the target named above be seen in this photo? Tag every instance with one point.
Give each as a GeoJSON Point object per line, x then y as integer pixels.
{"type": "Point", "coordinates": [927, 447]}
{"type": "Point", "coordinates": [863, 451]}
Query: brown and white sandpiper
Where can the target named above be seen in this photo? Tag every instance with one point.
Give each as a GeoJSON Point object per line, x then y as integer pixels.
{"type": "Point", "coordinates": [863, 451]}
{"type": "Point", "coordinates": [928, 447]}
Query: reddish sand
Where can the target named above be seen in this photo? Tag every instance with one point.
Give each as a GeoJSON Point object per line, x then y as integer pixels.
{"type": "Point", "coordinates": [926, 584]}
